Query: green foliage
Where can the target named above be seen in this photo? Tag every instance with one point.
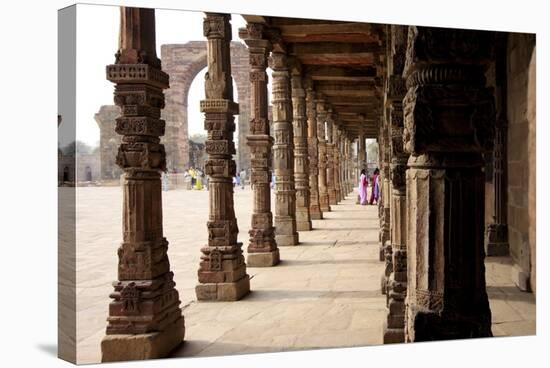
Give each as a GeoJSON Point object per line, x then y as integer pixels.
{"type": "Point", "coordinates": [198, 138]}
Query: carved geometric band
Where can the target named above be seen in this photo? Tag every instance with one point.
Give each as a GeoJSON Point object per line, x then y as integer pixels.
{"type": "Point", "coordinates": [137, 73]}
{"type": "Point", "coordinates": [219, 105]}
{"type": "Point", "coordinates": [139, 126]}
{"type": "Point", "coordinates": [447, 74]}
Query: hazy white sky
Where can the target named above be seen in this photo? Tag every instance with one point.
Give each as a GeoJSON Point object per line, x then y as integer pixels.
{"type": "Point", "coordinates": [97, 42]}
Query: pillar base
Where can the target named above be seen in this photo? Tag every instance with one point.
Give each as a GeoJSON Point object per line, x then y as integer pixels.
{"type": "Point", "coordinates": [393, 335]}
{"type": "Point", "coordinates": [497, 249]}
{"type": "Point", "coordinates": [383, 284]}
{"type": "Point", "coordinates": [520, 278]}
{"type": "Point", "coordinates": [332, 199]}
{"type": "Point", "coordinates": [154, 345]}
{"type": "Point", "coordinates": [286, 240]}
{"type": "Point", "coordinates": [325, 209]}
{"type": "Point", "coordinates": [303, 225]}
{"type": "Point", "coordinates": [264, 259]}
{"type": "Point", "coordinates": [316, 215]}
{"type": "Point", "coordinates": [223, 291]}
{"type": "Point", "coordinates": [427, 325]}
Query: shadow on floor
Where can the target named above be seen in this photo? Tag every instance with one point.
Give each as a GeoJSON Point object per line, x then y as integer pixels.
{"type": "Point", "coordinates": [316, 243]}
{"type": "Point", "coordinates": [349, 228]}
{"type": "Point", "coordinates": [193, 348]}
{"type": "Point", "coordinates": [347, 218]}
{"type": "Point", "coordinates": [510, 293]}
{"type": "Point", "coordinates": [297, 262]}
{"type": "Point", "coordinates": [262, 295]}
{"type": "Point", "coordinates": [50, 349]}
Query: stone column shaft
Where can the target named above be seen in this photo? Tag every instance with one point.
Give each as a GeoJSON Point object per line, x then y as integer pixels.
{"type": "Point", "coordinates": [341, 167]}
{"type": "Point", "coordinates": [262, 248]}
{"type": "Point", "coordinates": [361, 162]}
{"type": "Point", "coordinates": [331, 164]}
{"type": "Point", "coordinates": [394, 327]}
{"type": "Point", "coordinates": [313, 154]}
{"type": "Point", "coordinates": [283, 153]}
{"type": "Point", "coordinates": [222, 272]}
{"type": "Point", "coordinates": [384, 199]}
{"type": "Point", "coordinates": [323, 190]}
{"type": "Point", "coordinates": [336, 154]}
{"type": "Point", "coordinates": [145, 320]}
{"type": "Point", "coordinates": [351, 181]}
{"type": "Point", "coordinates": [496, 233]}
{"type": "Point", "coordinates": [446, 294]}
{"type": "Point", "coordinates": [301, 165]}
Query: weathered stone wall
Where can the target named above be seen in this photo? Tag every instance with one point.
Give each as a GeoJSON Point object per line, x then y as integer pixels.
{"type": "Point", "coordinates": [109, 141]}
{"type": "Point", "coordinates": [87, 168]}
{"type": "Point", "coordinates": [183, 62]}
{"type": "Point", "coordinates": [521, 157]}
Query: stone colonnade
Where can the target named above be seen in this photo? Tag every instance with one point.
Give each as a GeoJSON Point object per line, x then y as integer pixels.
{"type": "Point", "coordinates": [145, 320]}
{"type": "Point", "coordinates": [438, 121]}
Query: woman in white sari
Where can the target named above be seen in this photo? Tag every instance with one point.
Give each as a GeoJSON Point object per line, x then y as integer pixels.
{"type": "Point", "coordinates": [363, 188]}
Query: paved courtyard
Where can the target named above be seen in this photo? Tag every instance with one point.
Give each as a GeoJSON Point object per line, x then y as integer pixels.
{"type": "Point", "coordinates": [325, 292]}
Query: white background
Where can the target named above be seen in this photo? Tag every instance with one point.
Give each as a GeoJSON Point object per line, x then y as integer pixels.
{"type": "Point", "coordinates": [28, 253]}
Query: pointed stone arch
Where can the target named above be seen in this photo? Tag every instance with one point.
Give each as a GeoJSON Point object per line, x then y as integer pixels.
{"type": "Point", "coordinates": [183, 62]}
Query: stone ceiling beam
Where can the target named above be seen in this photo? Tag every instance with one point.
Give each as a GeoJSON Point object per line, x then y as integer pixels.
{"type": "Point", "coordinates": [335, 73]}
{"type": "Point", "coordinates": [334, 48]}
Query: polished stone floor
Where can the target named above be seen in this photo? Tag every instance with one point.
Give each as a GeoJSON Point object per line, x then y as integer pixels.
{"type": "Point", "coordinates": [325, 292]}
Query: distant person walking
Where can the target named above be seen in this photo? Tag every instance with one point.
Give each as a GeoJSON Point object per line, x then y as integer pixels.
{"type": "Point", "coordinates": [164, 182]}
{"type": "Point", "coordinates": [243, 178]}
{"type": "Point", "coordinates": [238, 180]}
{"type": "Point", "coordinates": [375, 193]}
{"type": "Point", "coordinates": [198, 180]}
{"type": "Point", "coordinates": [193, 174]}
{"type": "Point", "coordinates": [363, 188]}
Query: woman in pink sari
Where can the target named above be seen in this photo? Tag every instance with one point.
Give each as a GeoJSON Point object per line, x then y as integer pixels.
{"type": "Point", "coordinates": [363, 188]}
{"type": "Point", "coordinates": [375, 194]}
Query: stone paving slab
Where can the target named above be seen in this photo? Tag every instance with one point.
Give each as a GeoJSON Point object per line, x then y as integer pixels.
{"type": "Point", "coordinates": [324, 293]}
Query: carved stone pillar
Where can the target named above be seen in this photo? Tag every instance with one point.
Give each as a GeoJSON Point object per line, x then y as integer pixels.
{"type": "Point", "coordinates": [385, 243]}
{"type": "Point", "coordinates": [448, 123]}
{"type": "Point", "coordinates": [345, 167]}
{"type": "Point", "coordinates": [145, 320]}
{"type": "Point", "coordinates": [283, 153]}
{"type": "Point", "coordinates": [361, 154]}
{"type": "Point", "coordinates": [321, 134]}
{"type": "Point", "coordinates": [397, 281]}
{"type": "Point", "coordinates": [301, 166]}
{"type": "Point", "coordinates": [262, 249]}
{"type": "Point", "coordinates": [349, 166]}
{"type": "Point", "coordinates": [496, 233]}
{"type": "Point", "coordinates": [331, 189]}
{"type": "Point", "coordinates": [341, 166]}
{"type": "Point", "coordinates": [222, 273]}
{"type": "Point", "coordinates": [384, 198]}
{"type": "Point", "coordinates": [336, 155]}
{"type": "Point", "coordinates": [313, 154]}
